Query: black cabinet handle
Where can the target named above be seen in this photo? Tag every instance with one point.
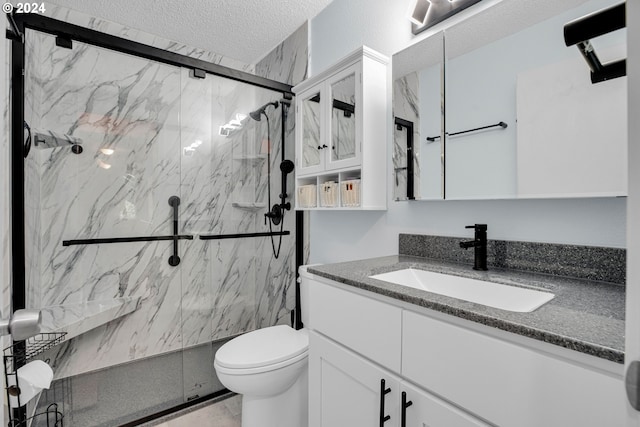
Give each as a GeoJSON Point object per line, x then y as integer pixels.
{"type": "Point", "coordinates": [324, 146]}
{"type": "Point", "coordinates": [405, 405]}
{"type": "Point", "coordinates": [383, 392]}
{"type": "Point", "coordinates": [319, 147]}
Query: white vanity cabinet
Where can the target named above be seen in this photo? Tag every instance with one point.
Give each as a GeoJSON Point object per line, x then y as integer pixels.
{"type": "Point", "coordinates": [341, 131]}
{"type": "Point", "coordinates": [347, 390]}
{"type": "Point", "coordinates": [454, 372]}
{"type": "Point", "coordinates": [351, 391]}
{"type": "Point", "coordinates": [420, 408]}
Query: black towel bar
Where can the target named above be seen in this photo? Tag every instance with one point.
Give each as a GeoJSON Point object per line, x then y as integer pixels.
{"type": "Point", "coordinates": [503, 125]}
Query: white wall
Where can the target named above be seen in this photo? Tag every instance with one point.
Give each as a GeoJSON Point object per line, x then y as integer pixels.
{"type": "Point", "coordinates": [336, 236]}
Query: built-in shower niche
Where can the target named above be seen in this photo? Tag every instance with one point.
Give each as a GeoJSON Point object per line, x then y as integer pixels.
{"type": "Point", "coordinates": [250, 155]}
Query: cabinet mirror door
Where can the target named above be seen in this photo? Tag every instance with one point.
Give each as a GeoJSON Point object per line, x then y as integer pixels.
{"type": "Point", "coordinates": [417, 110]}
{"type": "Point", "coordinates": [343, 118]}
{"type": "Point", "coordinates": [310, 156]}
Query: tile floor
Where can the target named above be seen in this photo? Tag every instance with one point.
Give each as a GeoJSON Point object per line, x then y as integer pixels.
{"type": "Point", "coordinates": [225, 413]}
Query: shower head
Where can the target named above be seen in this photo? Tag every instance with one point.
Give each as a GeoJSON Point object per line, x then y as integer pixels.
{"type": "Point", "coordinates": [286, 167]}
{"type": "Point", "coordinates": [256, 115]}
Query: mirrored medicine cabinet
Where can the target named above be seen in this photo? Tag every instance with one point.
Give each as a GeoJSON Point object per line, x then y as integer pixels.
{"type": "Point", "coordinates": [498, 107]}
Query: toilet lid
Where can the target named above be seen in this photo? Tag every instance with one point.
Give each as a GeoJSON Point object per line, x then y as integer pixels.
{"type": "Point", "coordinates": [263, 347]}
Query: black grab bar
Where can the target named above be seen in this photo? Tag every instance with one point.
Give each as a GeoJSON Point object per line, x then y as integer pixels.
{"type": "Point", "coordinates": [174, 260]}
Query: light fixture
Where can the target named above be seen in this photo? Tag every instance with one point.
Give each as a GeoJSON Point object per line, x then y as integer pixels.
{"type": "Point", "coordinates": [103, 165]}
{"type": "Point", "coordinates": [189, 150]}
{"type": "Point", "coordinates": [424, 14]}
{"type": "Point", "coordinates": [107, 151]}
{"type": "Point", "coordinates": [418, 10]}
{"type": "Point", "coordinates": [232, 125]}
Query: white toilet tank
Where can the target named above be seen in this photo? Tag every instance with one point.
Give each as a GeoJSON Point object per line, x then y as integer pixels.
{"type": "Point", "coordinates": [304, 293]}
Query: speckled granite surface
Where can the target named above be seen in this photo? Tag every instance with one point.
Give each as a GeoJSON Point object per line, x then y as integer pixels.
{"type": "Point", "coordinates": [585, 262]}
{"type": "Point", "coordinates": [585, 316]}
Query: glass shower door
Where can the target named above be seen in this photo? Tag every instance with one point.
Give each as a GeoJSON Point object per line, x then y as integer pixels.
{"type": "Point", "coordinates": [119, 302]}
{"type": "Point", "coordinates": [117, 138]}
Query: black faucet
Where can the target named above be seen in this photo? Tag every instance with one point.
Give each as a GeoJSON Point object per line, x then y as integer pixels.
{"type": "Point", "coordinates": [479, 243]}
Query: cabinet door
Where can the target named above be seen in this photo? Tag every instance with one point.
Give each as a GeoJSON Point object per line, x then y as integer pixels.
{"type": "Point", "coordinates": [370, 327]}
{"type": "Point", "coordinates": [419, 408]}
{"type": "Point", "coordinates": [310, 132]}
{"type": "Point", "coordinates": [505, 383]}
{"type": "Point", "coordinates": [344, 112]}
{"type": "Point", "coordinates": [345, 390]}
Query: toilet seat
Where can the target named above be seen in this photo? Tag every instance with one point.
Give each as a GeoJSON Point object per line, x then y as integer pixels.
{"type": "Point", "coordinates": [262, 350]}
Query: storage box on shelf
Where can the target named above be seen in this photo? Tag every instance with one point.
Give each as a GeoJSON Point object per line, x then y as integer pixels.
{"type": "Point", "coordinates": [341, 134]}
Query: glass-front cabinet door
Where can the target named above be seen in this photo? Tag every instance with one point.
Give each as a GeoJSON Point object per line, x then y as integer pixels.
{"type": "Point", "coordinates": [344, 113]}
{"type": "Point", "coordinates": [311, 154]}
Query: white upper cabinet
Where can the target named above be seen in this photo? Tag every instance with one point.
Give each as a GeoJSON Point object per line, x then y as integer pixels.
{"type": "Point", "coordinates": [504, 109]}
{"type": "Point", "coordinates": [341, 131]}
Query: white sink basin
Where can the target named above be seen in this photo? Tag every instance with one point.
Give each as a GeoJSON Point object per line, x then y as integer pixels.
{"type": "Point", "coordinates": [495, 295]}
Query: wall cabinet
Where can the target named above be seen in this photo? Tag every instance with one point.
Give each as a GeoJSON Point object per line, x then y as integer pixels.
{"type": "Point", "coordinates": [341, 134]}
{"type": "Point", "coordinates": [452, 375]}
{"type": "Point", "coordinates": [495, 121]}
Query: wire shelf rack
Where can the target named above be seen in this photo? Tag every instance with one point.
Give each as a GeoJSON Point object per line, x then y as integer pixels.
{"type": "Point", "coordinates": [18, 355]}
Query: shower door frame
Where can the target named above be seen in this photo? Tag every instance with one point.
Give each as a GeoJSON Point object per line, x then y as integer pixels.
{"type": "Point", "coordinates": [67, 32]}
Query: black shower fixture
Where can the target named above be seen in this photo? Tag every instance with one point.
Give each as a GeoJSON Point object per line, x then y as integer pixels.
{"type": "Point", "coordinates": [256, 115]}
{"type": "Point", "coordinates": [286, 166]}
{"type": "Point", "coordinates": [276, 214]}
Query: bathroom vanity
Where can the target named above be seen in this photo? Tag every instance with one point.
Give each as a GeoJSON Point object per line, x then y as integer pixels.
{"type": "Point", "coordinates": [385, 354]}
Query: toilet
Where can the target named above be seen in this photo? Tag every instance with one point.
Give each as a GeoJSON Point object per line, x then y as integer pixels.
{"type": "Point", "coordinates": [268, 367]}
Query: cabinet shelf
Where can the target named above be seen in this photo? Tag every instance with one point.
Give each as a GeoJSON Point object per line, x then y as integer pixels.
{"type": "Point", "coordinates": [251, 158]}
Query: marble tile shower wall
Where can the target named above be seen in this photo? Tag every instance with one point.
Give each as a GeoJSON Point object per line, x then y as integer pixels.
{"type": "Point", "coordinates": [113, 28]}
{"type": "Point", "coordinates": [287, 63]}
{"type": "Point", "coordinates": [149, 113]}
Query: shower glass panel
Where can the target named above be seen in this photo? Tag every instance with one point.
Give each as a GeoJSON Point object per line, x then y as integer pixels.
{"type": "Point", "coordinates": [142, 334]}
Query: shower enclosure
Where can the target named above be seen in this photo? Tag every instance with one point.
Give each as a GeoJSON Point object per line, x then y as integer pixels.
{"type": "Point", "coordinates": [149, 246]}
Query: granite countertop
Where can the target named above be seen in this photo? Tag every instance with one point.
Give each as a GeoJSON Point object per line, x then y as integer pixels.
{"type": "Point", "coordinates": [585, 315]}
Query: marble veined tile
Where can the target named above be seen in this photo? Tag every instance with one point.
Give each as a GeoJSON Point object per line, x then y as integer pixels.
{"type": "Point", "coordinates": [78, 18]}
{"type": "Point", "coordinates": [154, 328]}
{"type": "Point", "coordinates": [150, 131]}
{"type": "Point", "coordinates": [405, 106]}
{"type": "Point", "coordinates": [234, 284]}
{"type": "Point", "coordinates": [288, 62]}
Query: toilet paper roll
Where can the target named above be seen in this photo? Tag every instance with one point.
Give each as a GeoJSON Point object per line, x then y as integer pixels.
{"type": "Point", "coordinates": [32, 379]}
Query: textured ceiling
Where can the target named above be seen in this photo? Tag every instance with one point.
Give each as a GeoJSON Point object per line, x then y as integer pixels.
{"type": "Point", "coordinates": [245, 30]}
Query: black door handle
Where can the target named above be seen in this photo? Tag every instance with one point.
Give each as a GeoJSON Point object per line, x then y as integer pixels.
{"type": "Point", "coordinates": [405, 405]}
{"type": "Point", "coordinates": [383, 392]}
